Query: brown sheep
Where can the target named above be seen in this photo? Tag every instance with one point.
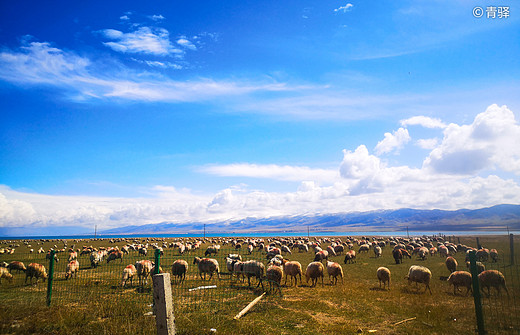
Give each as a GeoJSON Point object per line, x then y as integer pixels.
{"type": "Point", "coordinates": [293, 269]}
{"type": "Point", "coordinates": [451, 264]}
{"type": "Point", "coordinates": [350, 257]}
{"type": "Point", "coordinates": [35, 270]}
{"type": "Point", "coordinates": [179, 269]}
{"type": "Point", "coordinates": [492, 278]}
{"type": "Point", "coordinates": [334, 270]}
{"type": "Point", "coordinates": [15, 265]}
{"type": "Point", "coordinates": [383, 274]}
{"type": "Point", "coordinates": [321, 255]}
{"type": "Point", "coordinates": [460, 278]}
{"type": "Point", "coordinates": [274, 276]}
{"type": "Point", "coordinates": [313, 272]}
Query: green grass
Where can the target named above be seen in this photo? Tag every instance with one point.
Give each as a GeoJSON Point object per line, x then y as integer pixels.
{"type": "Point", "coordinates": [94, 302]}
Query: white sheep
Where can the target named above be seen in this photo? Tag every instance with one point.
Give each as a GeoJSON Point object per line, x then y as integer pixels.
{"type": "Point", "coordinates": [274, 276]}
{"type": "Point", "coordinates": [451, 264]}
{"type": "Point", "coordinates": [378, 251]}
{"type": "Point", "coordinates": [128, 274]}
{"type": "Point", "coordinates": [35, 270]}
{"type": "Point", "coordinates": [383, 274]}
{"type": "Point", "coordinates": [72, 269]}
{"type": "Point", "coordinates": [419, 274]}
{"type": "Point", "coordinates": [5, 274]}
{"type": "Point", "coordinates": [144, 268]}
{"type": "Point", "coordinates": [207, 265]}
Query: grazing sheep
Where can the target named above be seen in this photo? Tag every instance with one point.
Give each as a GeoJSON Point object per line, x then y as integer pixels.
{"type": "Point", "coordinates": [480, 267]}
{"type": "Point", "coordinates": [383, 274]}
{"type": "Point", "coordinates": [95, 259]}
{"type": "Point", "coordinates": [72, 269]}
{"type": "Point", "coordinates": [331, 251]}
{"type": "Point", "coordinates": [48, 257]}
{"type": "Point", "coordinates": [334, 270]}
{"type": "Point", "coordinates": [493, 253]}
{"type": "Point", "coordinates": [72, 256]}
{"type": "Point", "coordinates": [115, 255]}
{"type": "Point", "coordinates": [313, 272]}
{"type": "Point", "coordinates": [492, 278]}
{"type": "Point", "coordinates": [210, 250]}
{"type": "Point", "coordinates": [293, 269]}
{"type": "Point", "coordinates": [5, 274]}
{"type": "Point", "coordinates": [483, 255]}
{"type": "Point", "coordinates": [378, 251]}
{"type": "Point", "coordinates": [423, 252]}
{"type": "Point", "coordinates": [451, 264]}
{"type": "Point", "coordinates": [143, 251]}
{"type": "Point", "coordinates": [321, 255]}
{"type": "Point", "coordinates": [125, 250]}
{"type": "Point", "coordinates": [286, 249]}
{"type": "Point", "coordinates": [207, 265]}
{"type": "Point", "coordinates": [15, 265]}
{"type": "Point", "coordinates": [274, 276]}
{"type": "Point", "coordinates": [350, 257]}
{"type": "Point", "coordinates": [128, 274]}
{"type": "Point", "coordinates": [143, 269]}
{"type": "Point", "coordinates": [443, 251]}
{"type": "Point", "coordinates": [398, 255]}
{"type": "Point", "coordinates": [433, 251]}
{"type": "Point", "coordinates": [419, 274]}
{"type": "Point", "coordinates": [179, 269]}
{"type": "Point", "coordinates": [254, 269]}
{"type": "Point", "coordinates": [250, 249]}
{"type": "Point", "coordinates": [339, 249]}
{"type": "Point", "coordinates": [238, 269]}
{"type": "Point", "coordinates": [35, 270]}
{"type": "Point", "coordinates": [460, 278]}
{"type": "Point", "coordinates": [364, 248]}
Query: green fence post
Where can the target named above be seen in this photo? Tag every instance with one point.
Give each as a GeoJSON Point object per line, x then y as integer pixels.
{"type": "Point", "coordinates": [476, 292]}
{"type": "Point", "coordinates": [51, 275]}
{"type": "Point", "coordinates": [157, 261]}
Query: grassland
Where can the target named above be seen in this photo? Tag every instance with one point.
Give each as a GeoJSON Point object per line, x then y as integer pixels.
{"type": "Point", "coordinates": [94, 302]}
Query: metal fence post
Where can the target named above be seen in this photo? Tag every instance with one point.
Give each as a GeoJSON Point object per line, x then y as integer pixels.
{"type": "Point", "coordinates": [157, 261]}
{"type": "Point", "coordinates": [163, 302]}
{"type": "Point", "coordinates": [476, 293]}
{"type": "Point", "coordinates": [50, 279]}
{"type": "Point", "coordinates": [512, 248]}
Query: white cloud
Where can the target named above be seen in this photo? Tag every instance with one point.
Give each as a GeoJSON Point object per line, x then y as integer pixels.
{"type": "Point", "coordinates": [272, 171]}
{"type": "Point", "coordinates": [424, 121]}
{"type": "Point", "coordinates": [344, 9]}
{"type": "Point", "coordinates": [186, 43]}
{"type": "Point", "coordinates": [393, 142]}
{"type": "Point", "coordinates": [157, 17]}
{"type": "Point", "coordinates": [490, 142]}
{"type": "Point", "coordinates": [427, 143]}
{"type": "Point", "coordinates": [145, 40]}
{"type": "Point", "coordinates": [39, 63]}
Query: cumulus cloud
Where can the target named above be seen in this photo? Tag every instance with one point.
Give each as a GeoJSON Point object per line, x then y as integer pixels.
{"type": "Point", "coordinates": [393, 142]}
{"type": "Point", "coordinates": [344, 9]}
{"type": "Point", "coordinates": [427, 143]}
{"type": "Point", "coordinates": [423, 121]}
{"type": "Point", "coordinates": [490, 142]}
{"type": "Point", "coordinates": [145, 40]}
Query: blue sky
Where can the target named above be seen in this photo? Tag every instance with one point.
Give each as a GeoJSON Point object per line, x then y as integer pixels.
{"type": "Point", "coordinates": [129, 113]}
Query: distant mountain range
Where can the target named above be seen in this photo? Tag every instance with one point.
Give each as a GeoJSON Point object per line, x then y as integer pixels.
{"type": "Point", "coordinates": [492, 218]}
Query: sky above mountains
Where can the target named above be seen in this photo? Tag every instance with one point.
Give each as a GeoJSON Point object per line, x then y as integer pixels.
{"type": "Point", "coordinates": [128, 112]}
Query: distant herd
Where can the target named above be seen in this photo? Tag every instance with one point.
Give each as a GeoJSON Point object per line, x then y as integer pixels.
{"type": "Point", "coordinates": [278, 267]}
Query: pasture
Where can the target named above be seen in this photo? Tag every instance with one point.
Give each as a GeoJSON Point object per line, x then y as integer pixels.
{"type": "Point", "coordinates": [94, 302]}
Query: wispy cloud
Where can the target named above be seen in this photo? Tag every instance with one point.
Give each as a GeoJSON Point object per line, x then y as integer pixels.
{"type": "Point", "coordinates": [145, 40]}
{"type": "Point", "coordinates": [393, 141]}
{"type": "Point", "coordinates": [186, 43]}
{"type": "Point", "coordinates": [40, 63]}
{"type": "Point", "coordinates": [343, 9]}
{"type": "Point", "coordinates": [423, 121]}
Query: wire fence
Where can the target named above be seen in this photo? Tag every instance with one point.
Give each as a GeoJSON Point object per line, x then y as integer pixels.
{"type": "Point", "coordinates": [500, 303]}
{"type": "Point", "coordinates": [106, 274]}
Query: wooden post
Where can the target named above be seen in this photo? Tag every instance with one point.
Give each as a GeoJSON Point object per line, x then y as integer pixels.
{"type": "Point", "coordinates": [163, 301]}
{"type": "Point", "coordinates": [476, 293]}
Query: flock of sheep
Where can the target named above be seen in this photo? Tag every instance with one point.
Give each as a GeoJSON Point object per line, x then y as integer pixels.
{"type": "Point", "coordinates": [277, 266]}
